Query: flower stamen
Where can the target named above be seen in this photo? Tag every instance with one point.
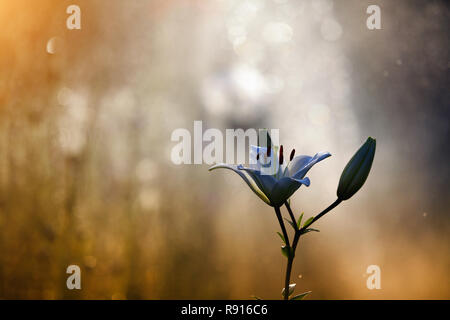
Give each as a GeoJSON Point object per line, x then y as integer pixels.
{"type": "Point", "coordinates": [281, 155]}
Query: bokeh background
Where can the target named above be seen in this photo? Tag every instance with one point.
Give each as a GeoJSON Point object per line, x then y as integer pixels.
{"type": "Point", "coordinates": [86, 118]}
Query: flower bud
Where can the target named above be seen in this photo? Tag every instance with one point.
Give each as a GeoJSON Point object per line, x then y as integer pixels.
{"type": "Point", "coordinates": [357, 170]}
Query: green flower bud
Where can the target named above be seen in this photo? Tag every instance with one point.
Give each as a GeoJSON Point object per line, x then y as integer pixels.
{"type": "Point", "coordinates": [357, 170]}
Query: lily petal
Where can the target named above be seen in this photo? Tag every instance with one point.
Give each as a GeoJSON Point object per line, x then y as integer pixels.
{"type": "Point", "coordinates": [263, 181]}
{"type": "Point", "coordinates": [250, 183]}
{"type": "Point", "coordinates": [304, 181]}
{"type": "Point", "coordinates": [297, 164]}
{"type": "Point", "coordinates": [285, 188]}
{"type": "Point", "coordinates": [305, 164]}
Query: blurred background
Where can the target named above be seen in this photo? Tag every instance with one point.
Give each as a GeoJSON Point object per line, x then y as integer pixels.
{"type": "Point", "coordinates": [86, 118]}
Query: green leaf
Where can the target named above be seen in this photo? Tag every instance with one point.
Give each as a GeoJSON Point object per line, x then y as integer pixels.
{"type": "Point", "coordinates": [309, 230]}
{"type": "Point", "coordinates": [282, 237]}
{"type": "Point", "coordinates": [291, 289]}
{"type": "Point", "coordinates": [299, 222]}
{"type": "Point", "coordinates": [301, 296]}
{"type": "Point", "coordinates": [308, 222]}
{"type": "Point", "coordinates": [290, 222]}
{"type": "Point", "coordinates": [285, 251]}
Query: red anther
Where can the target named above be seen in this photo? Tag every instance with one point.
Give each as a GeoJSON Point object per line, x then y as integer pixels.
{"type": "Point", "coordinates": [281, 154]}
{"type": "Point", "coordinates": [292, 155]}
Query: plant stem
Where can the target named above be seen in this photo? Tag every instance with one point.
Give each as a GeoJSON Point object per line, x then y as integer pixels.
{"type": "Point", "coordinates": [297, 235]}
{"type": "Point", "coordinates": [291, 214]}
{"type": "Point", "coordinates": [320, 215]}
{"type": "Point", "coordinates": [290, 254]}
{"type": "Point", "coordinates": [288, 276]}
{"type": "Point", "coordinates": [283, 228]}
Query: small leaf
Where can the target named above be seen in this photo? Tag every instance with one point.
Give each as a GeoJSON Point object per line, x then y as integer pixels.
{"type": "Point", "coordinates": [309, 230]}
{"type": "Point", "coordinates": [308, 222]}
{"type": "Point", "coordinates": [285, 251]}
{"type": "Point", "coordinates": [291, 289]}
{"type": "Point", "coordinates": [290, 222]}
{"type": "Point", "coordinates": [299, 222]}
{"type": "Point", "coordinates": [282, 237]}
{"type": "Point", "coordinates": [301, 296]}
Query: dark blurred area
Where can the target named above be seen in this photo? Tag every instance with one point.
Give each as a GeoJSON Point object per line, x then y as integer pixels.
{"type": "Point", "coordinates": [86, 118]}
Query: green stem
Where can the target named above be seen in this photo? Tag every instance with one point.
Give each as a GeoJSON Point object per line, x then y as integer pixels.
{"type": "Point", "coordinates": [320, 215]}
{"type": "Point", "coordinates": [292, 253]}
{"type": "Point", "coordinates": [297, 235]}
{"type": "Point", "coordinates": [290, 256]}
{"type": "Point", "coordinates": [288, 276]}
{"type": "Point", "coordinates": [283, 228]}
{"type": "Point", "coordinates": [291, 214]}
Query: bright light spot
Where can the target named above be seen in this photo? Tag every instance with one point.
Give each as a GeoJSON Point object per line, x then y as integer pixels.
{"type": "Point", "coordinates": [54, 45]}
{"type": "Point", "coordinates": [249, 82]}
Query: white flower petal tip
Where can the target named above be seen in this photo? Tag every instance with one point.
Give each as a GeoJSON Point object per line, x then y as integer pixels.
{"type": "Point", "coordinates": [305, 181]}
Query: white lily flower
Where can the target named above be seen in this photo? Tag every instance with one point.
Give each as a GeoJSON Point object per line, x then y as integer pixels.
{"type": "Point", "coordinates": [269, 178]}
